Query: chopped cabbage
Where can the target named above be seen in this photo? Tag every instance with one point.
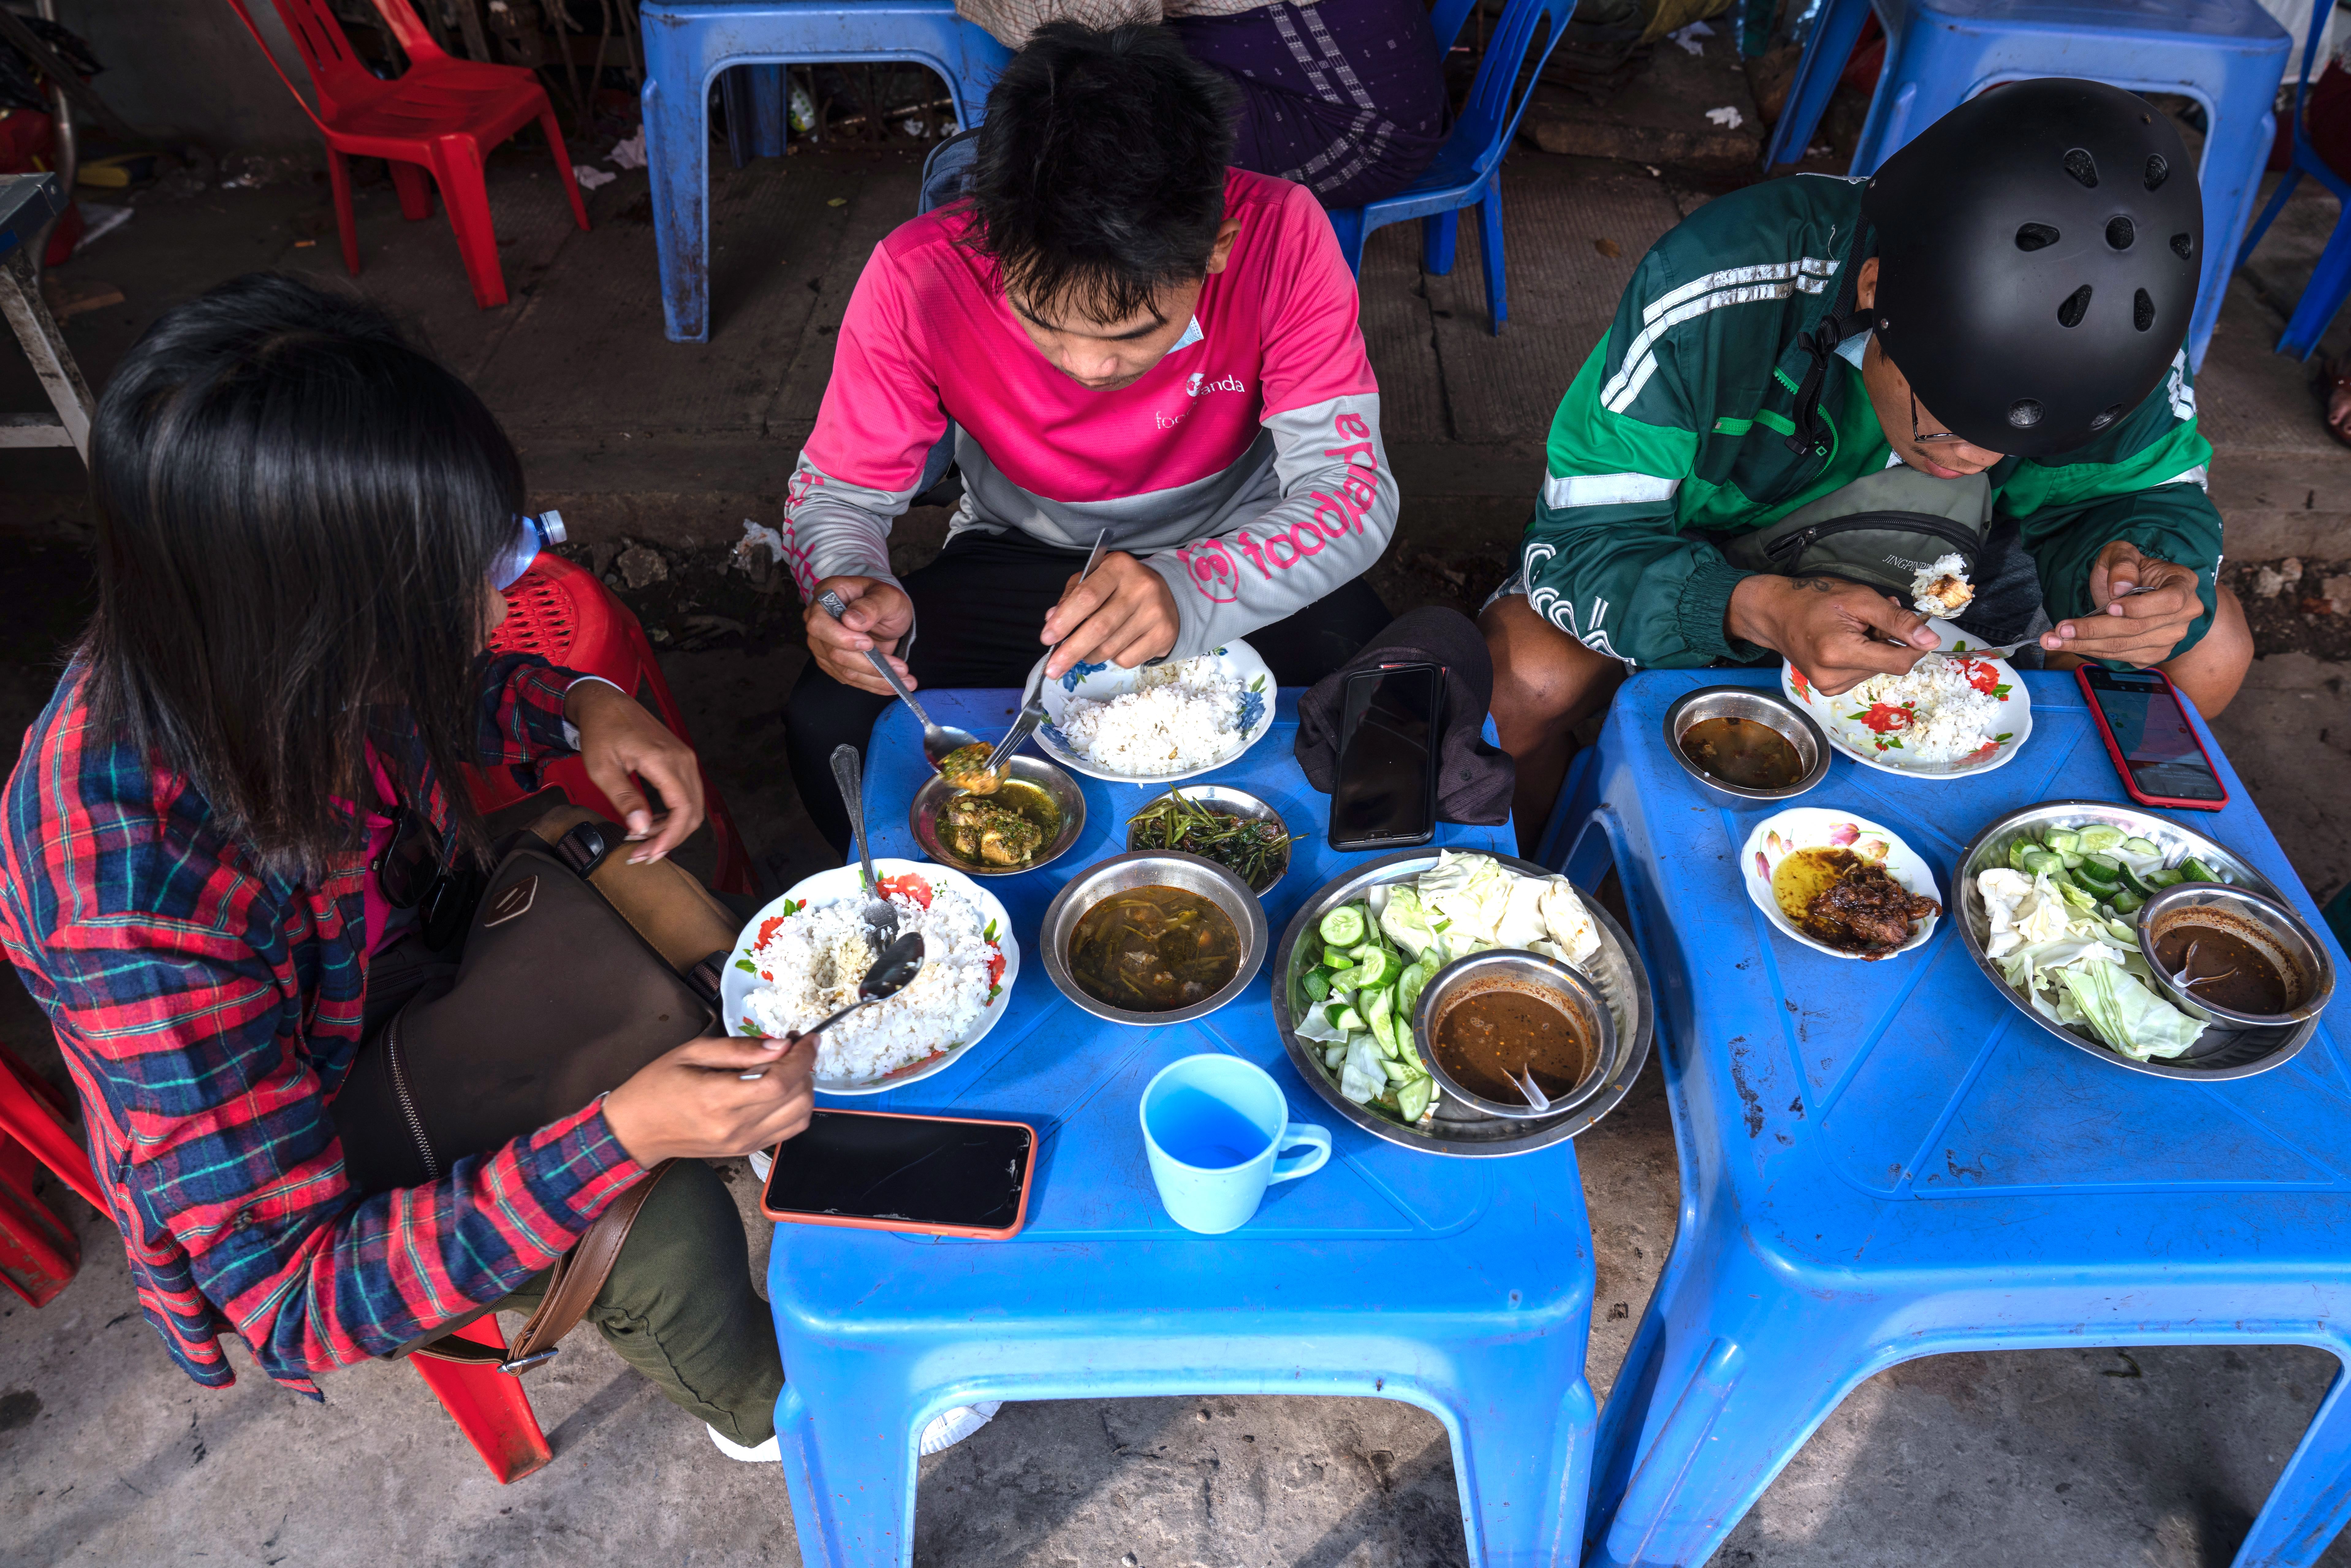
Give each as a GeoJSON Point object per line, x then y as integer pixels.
{"type": "Point", "coordinates": [1405, 923]}
{"type": "Point", "coordinates": [2074, 970]}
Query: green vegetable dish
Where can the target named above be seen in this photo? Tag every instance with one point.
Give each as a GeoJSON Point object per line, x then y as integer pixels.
{"type": "Point", "coordinates": [1256, 850]}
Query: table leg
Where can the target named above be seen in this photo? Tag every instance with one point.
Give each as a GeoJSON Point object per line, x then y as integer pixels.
{"type": "Point", "coordinates": [1522, 1453]}
{"type": "Point", "coordinates": [677, 150]}
{"type": "Point", "coordinates": [44, 346]}
{"type": "Point", "coordinates": [2311, 1503]}
{"type": "Point", "coordinates": [849, 1461]}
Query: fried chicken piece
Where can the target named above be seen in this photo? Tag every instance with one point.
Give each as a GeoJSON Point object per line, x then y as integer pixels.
{"type": "Point", "coordinates": [1865, 910]}
{"type": "Point", "coordinates": [967, 768]}
{"type": "Point", "coordinates": [982, 832]}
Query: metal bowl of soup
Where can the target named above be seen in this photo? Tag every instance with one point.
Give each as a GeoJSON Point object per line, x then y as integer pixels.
{"type": "Point", "coordinates": [1153, 937]}
{"type": "Point", "coordinates": [1483, 1018]}
{"type": "Point", "coordinates": [1745, 746]}
{"type": "Point", "coordinates": [1034, 790]}
{"type": "Point", "coordinates": [2231, 956]}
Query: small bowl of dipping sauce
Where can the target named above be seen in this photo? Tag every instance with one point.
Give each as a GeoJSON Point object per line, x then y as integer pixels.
{"type": "Point", "coordinates": [1745, 746]}
{"type": "Point", "coordinates": [1153, 937]}
{"type": "Point", "coordinates": [2232, 955]}
{"type": "Point", "coordinates": [1487, 1017]}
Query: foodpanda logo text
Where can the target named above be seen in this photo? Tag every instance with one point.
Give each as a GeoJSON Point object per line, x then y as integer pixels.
{"type": "Point", "coordinates": [1200, 384]}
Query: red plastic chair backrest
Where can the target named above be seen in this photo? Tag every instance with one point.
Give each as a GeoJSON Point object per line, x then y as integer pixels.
{"type": "Point", "coordinates": [324, 48]}
{"type": "Point", "coordinates": [414, 39]}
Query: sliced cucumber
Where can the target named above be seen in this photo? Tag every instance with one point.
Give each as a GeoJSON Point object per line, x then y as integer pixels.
{"type": "Point", "coordinates": [2078, 897]}
{"type": "Point", "coordinates": [2127, 902]}
{"type": "Point", "coordinates": [2142, 846]}
{"type": "Point", "coordinates": [1336, 958]}
{"type": "Point", "coordinates": [2162, 879]}
{"type": "Point", "coordinates": [1397, 1071]}
{"type": "Point", "coordinates": [1411, 1099]}
{"type": "Point", "coordinates": [1413, 981]}
{"type": "Point", "coordinates": [1316, 984]}
{"type": "Point", "coordinates": [1344, 926]}
{"type": "Point", "coordinates": [2194, 870]}
{"type": "Point", "coordinates": [2064, 841]}
{"type": "Point", "coordinates": [1334, 1057]}
{"type": "Point", "coordinates": [2100, 872]}
{"type": "Point", "coordinates": [2071, 857]}
{"type": "Point", "coordinates": [2038, 862]}
{"type": "Point", "coordinates": [1374, 966]}
{"type": "Point", "coordinates": [2140, 882]}
{"type": "Point", "coordinates": [1342, 1016]}
{"type": "Point", "coordinates": [2099, 837]}
{"type": "Point", "coordinates": [2018, 850]}
{"type": "Point", "coordinates": [1381, 1015]}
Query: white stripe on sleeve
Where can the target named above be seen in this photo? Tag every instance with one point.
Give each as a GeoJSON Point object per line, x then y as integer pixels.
{"type": "Point", "coordinates": [1561, 491]}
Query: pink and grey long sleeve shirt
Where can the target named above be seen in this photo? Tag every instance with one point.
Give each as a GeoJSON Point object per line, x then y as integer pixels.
{"type": "Point", "coordinates": [1246, 467]}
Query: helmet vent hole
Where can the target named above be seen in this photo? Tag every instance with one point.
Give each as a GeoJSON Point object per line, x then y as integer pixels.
{"type": "Point", "coordinates": [2083, 167]}
{"type": "Point", "coordinates": [2157, 172]}
{"type": "Point", "coordinates": [2025, 414]}
{"type": "Point", "coordinates": [2106, 416]}
{"type": "Point", "coordinates": [2077, 305]}
{"type": "Point", "coordinates": [2035, 236]}
{"type": "Point", "coordinates": [2181, 245]}
{"type": "Point", "coordinates": [2120, 232]}
{"type": "Point", "coordinates": [2142, 311]}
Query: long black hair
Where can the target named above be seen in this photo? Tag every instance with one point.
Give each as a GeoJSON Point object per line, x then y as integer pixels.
{"type": "Point", "coordinates": [297, 516]}
{"type": "Point", "coordinates": [1100, 177]}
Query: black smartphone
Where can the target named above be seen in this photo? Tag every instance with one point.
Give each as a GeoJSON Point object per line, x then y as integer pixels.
{"type": "Point", "coordinates": [2149, 740]}
{"type": "Point", "coordinates": [1385, 796]}
{"type": "Point", "coordinates": [944, 1176]}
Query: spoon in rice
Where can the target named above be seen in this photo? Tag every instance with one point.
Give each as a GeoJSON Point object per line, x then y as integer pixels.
{"type": "Point", "coordinates": [1032, 704]}
{"type": "Point", "coordinates": [888, 975]}
{"type": "Point", "coordinates": [881, 915]}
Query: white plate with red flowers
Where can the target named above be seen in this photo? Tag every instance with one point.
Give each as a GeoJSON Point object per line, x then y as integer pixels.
{"type": "Point", "coordinates": [1798, 834]}
{"type": "Point", "coordinates": [1953, 716]}
{"type": "Point", "coordinates": [801, 957]}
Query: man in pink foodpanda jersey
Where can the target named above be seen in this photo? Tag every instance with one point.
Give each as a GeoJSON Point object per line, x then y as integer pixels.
{"type": "Point", "coordinates": [1125, 336]}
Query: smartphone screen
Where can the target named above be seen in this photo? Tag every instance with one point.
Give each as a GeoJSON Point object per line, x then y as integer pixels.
{"type": "Point", "coordinates": [1385, 792]}
{"type": "Point", "coordinates": [917, 1170]}
{"type": "Point", "coordinates": [2157, 745]}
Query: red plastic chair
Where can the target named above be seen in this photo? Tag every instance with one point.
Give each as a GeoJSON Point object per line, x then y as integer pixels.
{"type": "Point", "coordinates": [559, 612]}
{"type": "Point", "coordinates": [442, 116]}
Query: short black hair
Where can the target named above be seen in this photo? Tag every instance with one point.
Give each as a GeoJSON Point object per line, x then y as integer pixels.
{"type": "Point", "coordinates": [298, 513]}
{"type": "Point", "coordinates": [1099, 179]}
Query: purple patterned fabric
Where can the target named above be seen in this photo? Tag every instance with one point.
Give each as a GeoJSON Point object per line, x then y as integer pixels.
{"type": "Point", "coordinates": [1345, 97]}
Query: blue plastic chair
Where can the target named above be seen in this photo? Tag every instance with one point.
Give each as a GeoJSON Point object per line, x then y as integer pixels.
{"type": "Point", "coordinates": [2227, 54]}
{"type": "Point", "coordinates": [1884, 1161]}
{"type": "Point", "coordinates": [1469, 168]}
{"type": "Point", "coordinates": [1462, 1286]}
{"type": "Point", "coordinates": [2330, 281]}
{"type": "Point", "coordinates": [689, 42]}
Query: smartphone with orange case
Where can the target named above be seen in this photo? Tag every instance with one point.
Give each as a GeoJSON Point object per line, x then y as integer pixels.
{"type": "Point", "coordinates": [938, 1176]}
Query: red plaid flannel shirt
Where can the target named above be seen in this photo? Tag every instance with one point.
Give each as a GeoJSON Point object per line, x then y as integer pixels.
{"type": "Point", "coordinates": [208, 1008]}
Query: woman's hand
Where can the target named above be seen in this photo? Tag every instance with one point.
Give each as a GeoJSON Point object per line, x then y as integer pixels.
{"type": "Point", "coordinates": [695, 1103]}
{"type": "Point", "coordinates": [621, 743]}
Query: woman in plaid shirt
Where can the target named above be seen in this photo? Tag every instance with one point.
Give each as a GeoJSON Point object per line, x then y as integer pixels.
{"type": "Point", "coordinates": [301, 523]}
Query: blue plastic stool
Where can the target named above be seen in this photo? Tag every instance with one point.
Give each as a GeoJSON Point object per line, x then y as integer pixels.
{"type": "Point", "coordinates": [2227, 54]}
{"type": "Point", "coordinates": [1462, 1286]}
{"type": "Point", "coordinates": [1883, 1161]}
{"type": "Point", "coordinates": [1469, 168]}
{"type": "Point", "coordinates": [689, 43]}
{"type": "Point", "coordinates": [2330, 281]}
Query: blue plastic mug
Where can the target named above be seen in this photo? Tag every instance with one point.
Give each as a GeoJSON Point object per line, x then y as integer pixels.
{"type": "Point", "coordinates": [1219, 1132]}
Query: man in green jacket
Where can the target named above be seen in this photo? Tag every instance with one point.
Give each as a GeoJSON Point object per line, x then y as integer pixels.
{"type": "Point", "coordinates": [1816, 387]}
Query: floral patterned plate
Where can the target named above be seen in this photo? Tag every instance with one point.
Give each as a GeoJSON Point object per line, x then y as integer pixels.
{"type": "Point", "coordinates": [1100, 682]}
{"type": "Point", "coordinates": [914, 878]}
{"type": "Point", "coordinates": [1778, 836]}
{"type": "Point", "coordinates": [1872, 733]}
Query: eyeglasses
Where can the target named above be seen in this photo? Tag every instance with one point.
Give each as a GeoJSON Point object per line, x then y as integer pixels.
{"type": "Point", "coordinates": [531, 535]}
{"type": "Point", "coordinates": [409, 863]}
{"type": "Point", "coordinates": [1927, 438]}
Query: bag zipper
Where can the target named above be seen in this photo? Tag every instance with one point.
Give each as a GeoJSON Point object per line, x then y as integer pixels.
{"type": "Point", "coordinates": [1971, 542]}
{"type": "Point", "coordinates": [407, 1101]}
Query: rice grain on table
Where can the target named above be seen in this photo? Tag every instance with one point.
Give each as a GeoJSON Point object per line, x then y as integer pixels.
{"type": "Point", "coordinates": [815, 959]}
{"type": "Point", "coordinates": [1187, 718]}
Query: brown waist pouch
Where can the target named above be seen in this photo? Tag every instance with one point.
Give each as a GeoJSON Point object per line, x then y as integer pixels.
{"type": "Point", "coordinates": [577, 969]}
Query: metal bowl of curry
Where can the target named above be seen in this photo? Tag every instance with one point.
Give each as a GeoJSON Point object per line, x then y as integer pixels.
{"type": "Point", "coordinates": [1034, 816]}
{"type": "Point", "coordinates": [1745, 746]}
{"type": "Point", "coordinates": [1485, 1014]}
{"type": "Point", "coordinates": [2233, 957]}
{"type": "Point", "coordinates": [1154, 937]}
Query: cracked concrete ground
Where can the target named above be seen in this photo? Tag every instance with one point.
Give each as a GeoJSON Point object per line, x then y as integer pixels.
{"type": "Point", "coordinates": [109, 1457]}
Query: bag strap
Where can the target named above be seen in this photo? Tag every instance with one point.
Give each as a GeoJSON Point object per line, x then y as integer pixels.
{"type": "Point", "coordinates": [572, 1287]}
{"type": "Point", "coordinates": [661, 901]}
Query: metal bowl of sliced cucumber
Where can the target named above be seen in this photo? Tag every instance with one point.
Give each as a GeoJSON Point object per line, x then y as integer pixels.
{"type": "Point", "coordinates": [1406, 1107]}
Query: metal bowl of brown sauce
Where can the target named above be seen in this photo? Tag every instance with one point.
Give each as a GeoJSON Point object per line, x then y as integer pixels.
{"type": "Point", "coordinates": [1485, 1019]}
{"type": "Point", "coordinates": [1153, 937]}
{"type": "Point", "coordinates": [2228, 955]}
{"type": "Point", "coordinates": [1746, 745]}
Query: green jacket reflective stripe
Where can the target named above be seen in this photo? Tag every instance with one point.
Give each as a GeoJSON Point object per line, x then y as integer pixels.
{"type": "Point", "coordinates": [1676, 429]}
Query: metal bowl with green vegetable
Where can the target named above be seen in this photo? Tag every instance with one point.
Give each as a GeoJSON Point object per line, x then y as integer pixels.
{"type": "Point", "coordinates": [2049, 904]}
{"type": "Point", "coordinates": [1231, 827]}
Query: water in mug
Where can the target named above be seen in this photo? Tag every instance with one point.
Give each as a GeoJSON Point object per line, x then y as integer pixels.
{"type": "Point", "coordinates": [1201, 1131]}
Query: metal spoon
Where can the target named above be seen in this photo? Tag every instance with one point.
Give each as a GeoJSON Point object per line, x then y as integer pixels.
{"type": "Point", "coordinates": [1033, 703]}
{"type": "Point", "coordinates": [888, 975]}
{"type": "Point", "coordinates": [2188, 962]}
{"type": "Point", "coordinates": [879, 915]}
{"type": "Point", "coordinates": [938, 739]}
{"type": "Point", "coordinates": [1536, 1099]}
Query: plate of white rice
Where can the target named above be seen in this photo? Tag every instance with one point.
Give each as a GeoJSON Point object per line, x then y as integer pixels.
{"type": "Point", "coordinates": [1158, 722]}
{"type": "Point", "coordinates": [799, 960]}
{"type": "Point", "coordinates": [1952, 716]}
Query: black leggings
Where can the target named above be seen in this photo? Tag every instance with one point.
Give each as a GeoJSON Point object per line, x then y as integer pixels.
{"type": "Point", "coordinates": [977, 610]}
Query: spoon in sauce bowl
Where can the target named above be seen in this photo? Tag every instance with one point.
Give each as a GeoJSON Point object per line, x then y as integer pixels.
{"type": "Point", "coordinates": [1525, 1079]}
{"type": "Point", "coordinates": [891, 972]}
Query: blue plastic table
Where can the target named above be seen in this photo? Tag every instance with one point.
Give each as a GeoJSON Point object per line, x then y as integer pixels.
{"type": "Point", "coordinates": [1882, 1161]}
{"type": "Point", "coordinates": [1461, 1286]}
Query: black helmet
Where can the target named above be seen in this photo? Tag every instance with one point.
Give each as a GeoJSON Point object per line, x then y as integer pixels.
{"type": "Point", "coordinates": [2038, 251]}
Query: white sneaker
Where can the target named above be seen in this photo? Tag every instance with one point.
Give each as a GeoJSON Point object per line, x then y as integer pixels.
{"type": "Point", "coordinates": [761, 1164]}
{"type": "Point", "coordinates": [768, 1452]}
{"type": "Point", "coordinates": [952, 1427]}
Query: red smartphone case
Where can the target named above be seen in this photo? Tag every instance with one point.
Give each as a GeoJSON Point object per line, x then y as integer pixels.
{"type": "Point", "coordinates": [2122, 764]}
{"type": "Point", "coordinates": [981, 1233]}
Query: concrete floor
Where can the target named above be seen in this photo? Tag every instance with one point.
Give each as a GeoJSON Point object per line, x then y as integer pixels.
{"type": "Point", "coordinates": [109, 1455]}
